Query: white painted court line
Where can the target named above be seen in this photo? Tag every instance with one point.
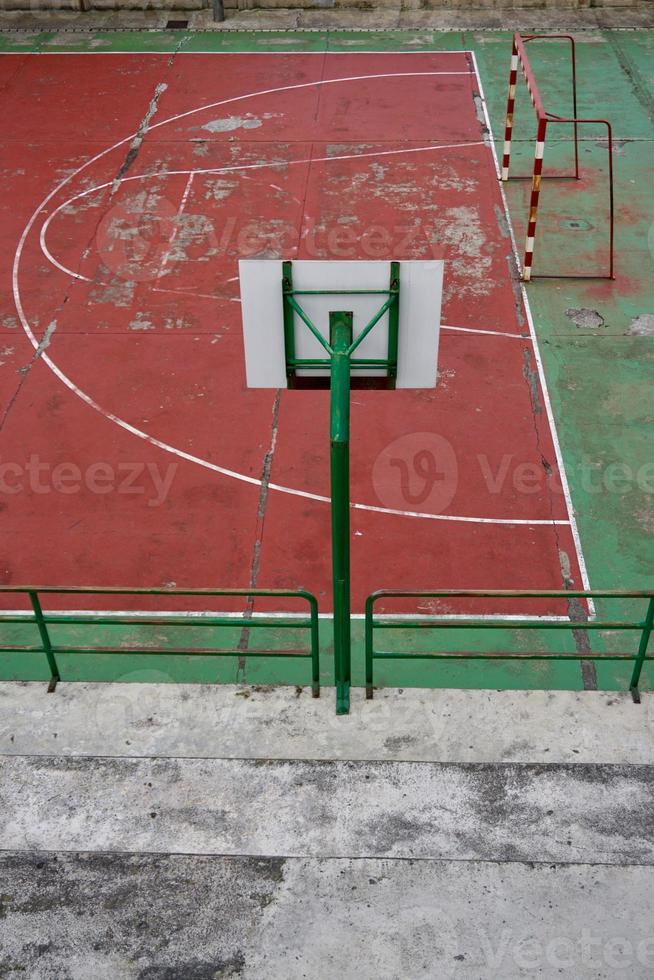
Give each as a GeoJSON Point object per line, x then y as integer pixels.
{"type": "Point", "coordinates": [488, 333]}
{"type": "Point", "coordinates": [175, 231]}
{"type": "Point", "coordinates": [541, 372]}
{"type": "Point", "coordinates": [189, 614]}
{"type": "Point", "coordinates": [45, 358]}
{"type": "Point", "coordinates": [323, 51]}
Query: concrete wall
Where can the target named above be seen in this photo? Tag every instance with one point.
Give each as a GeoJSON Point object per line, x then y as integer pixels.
{"type": "Point", "coordinates": [181, 5]}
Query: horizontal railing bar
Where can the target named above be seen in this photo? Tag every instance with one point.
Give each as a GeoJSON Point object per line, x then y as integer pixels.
{"type": "Point", "coordinates": [17, 649]}
{"type": "Point", "coordinates": [234, 622]}
{"type": "Point", "coordinates": [121, 590]}
{"type": "Point", "coordinates": [503, 624]}
{"type": "Point", "coordinates": [509, 594]}
{"type": "Point", "coordinates": [160, 652]}
{"type": "Point", "coordinates": [492, 655]}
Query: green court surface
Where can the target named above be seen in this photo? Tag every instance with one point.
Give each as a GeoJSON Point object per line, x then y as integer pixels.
{"type": "Point", "coordinates": [596, 339]}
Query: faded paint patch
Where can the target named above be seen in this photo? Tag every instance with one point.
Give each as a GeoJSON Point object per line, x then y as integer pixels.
{"type": "Point", "coordinates": [502, 223]}
{"type": "Point", "coordinates": [642, 325]}
{"type": "Point", "coordinates": [195, 240]}
{"type": "Point", "coordinates": [220, 188]}
{"type": "Point", "coordinates": [229, 123]}
{"type": "Point", "coordinates": [119, 292]}
{"type": "Point", "coordinates": [531, 377]}
{"type": "Point", "coordinates": [141, 322]}
{"type": "Point", "coordinates": [175, 323]}
{"type": "Point", "coordinates": [459, 231]}
{"type": "Point", "coordinates": [339, 149]}
{"type": "Point", "coordinates": [585, 318]}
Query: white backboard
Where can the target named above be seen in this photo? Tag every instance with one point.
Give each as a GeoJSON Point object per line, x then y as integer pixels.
{"type": "Point", "coordinates": [421, 286]}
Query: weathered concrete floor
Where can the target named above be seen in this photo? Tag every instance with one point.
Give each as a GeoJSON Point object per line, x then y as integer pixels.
{"type": "Point", "coordinates": [110, 916]}
{"type": "Point", "coordinates": [290, 844]}
{"type": "Point", "coordinates": [510, 812]}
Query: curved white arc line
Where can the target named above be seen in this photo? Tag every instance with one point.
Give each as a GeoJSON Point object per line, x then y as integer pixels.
{"type": "Point", "coordinates": [225, 170]}
{"type": "Point", "coordinates": [214, 467]}
{"type": "Point", "coordinates": [143, 435]}
{"type": "Point", "coordinates": [301, 85]}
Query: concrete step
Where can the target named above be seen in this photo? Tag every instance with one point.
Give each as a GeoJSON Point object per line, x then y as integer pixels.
{"type": "Point", "coordinates": [179, 917]}
{"type": "Point", "coordinates": [164, 831]}
{"type": "Point", "coordinates": [501, 812]}
{"type": "Point", "coordinates": [229, 722]}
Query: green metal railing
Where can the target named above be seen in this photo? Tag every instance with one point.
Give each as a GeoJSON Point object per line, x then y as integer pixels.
{"type": "Point", "coordinates": [435, 622]}
{"type": "Point", "coordinates": [48, 648]}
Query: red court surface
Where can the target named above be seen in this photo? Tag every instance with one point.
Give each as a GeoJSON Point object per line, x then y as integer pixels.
{"type": "Point", "coordinates": [134, 454]}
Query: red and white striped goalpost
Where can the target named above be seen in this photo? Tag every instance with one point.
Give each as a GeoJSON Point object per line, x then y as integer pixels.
{"type": "Point", "coordinates": [520, 61]}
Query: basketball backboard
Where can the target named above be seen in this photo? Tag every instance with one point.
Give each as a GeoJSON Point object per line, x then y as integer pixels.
{"type": "Point", "coordinates": [322, 286]}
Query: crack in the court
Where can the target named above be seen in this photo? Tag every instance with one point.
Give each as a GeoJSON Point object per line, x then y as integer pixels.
{"type": "Point", "coordinates": [577, 613]}
{"type": "Point", "coordinates": [640, 87]}
{"type": "Point", "coordinates": [139, 136]}
{"type": "Point", "coordinates": [25, 370]}
{"type": "Point", "coordinates": [258, 540]}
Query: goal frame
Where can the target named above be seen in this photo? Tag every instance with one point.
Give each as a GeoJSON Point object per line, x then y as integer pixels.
{"type": "Point", "coordinates": [520, 61]}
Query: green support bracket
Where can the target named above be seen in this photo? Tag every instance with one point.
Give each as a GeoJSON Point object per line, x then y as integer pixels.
{"type": "Point", "coordinates": [648, 626]}
{"type": "Point", "coordinates": [289, 326]}
{"type": "Point", "coordinates": [393, 324]}
{"type": "Point", "coordinates": [45, 640]}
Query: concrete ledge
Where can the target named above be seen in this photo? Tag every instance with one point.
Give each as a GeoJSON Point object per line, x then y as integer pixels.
{"type": "Point", "coordinates": [566, 814]}
{"type": "Point", "coordinates": [135, 917]}
{"type": "Point", "coordinates": [198, 721]}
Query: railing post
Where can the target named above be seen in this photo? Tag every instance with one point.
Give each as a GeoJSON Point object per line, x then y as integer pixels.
{"type": "Point", "coordinates": [45, 640]}
{"type": "Point", "coordinates": [315, 648]}
{"type": "Point", "coordinates": [648, 625]}
{"type": "Point", "coordinates": [369, 647]}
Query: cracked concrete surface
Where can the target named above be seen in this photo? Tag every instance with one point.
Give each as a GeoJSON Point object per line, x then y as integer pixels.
{"type": "Point", "coordinates": [345, 867]}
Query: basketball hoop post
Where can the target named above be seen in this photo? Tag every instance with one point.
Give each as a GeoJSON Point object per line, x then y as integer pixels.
{"type": "Point", "coordinates": [340, 348]}
{"type": "Point", "coordinates": [340, 335]}
{"type": "Point", "coordinates": [327, 332]}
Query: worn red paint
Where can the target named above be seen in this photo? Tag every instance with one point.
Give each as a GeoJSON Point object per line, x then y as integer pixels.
{"type": "Point", "coordinates": [164, 353]}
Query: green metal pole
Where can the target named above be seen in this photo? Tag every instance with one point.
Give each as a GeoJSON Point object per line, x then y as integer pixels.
{"type": "Point", "coordinates": [340, 336]}
{"type": "Point", "coordinates": [648, 626]}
